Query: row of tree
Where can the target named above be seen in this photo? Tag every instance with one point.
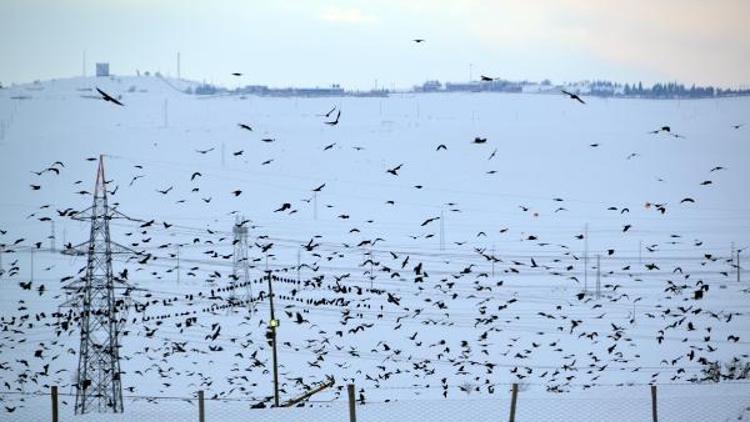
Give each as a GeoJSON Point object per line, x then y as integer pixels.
{"type": "Point", "coordinates": [675, 90]}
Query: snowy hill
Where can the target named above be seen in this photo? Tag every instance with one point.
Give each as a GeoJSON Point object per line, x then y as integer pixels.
{"type": "Point", "coordinates": [454, 277]}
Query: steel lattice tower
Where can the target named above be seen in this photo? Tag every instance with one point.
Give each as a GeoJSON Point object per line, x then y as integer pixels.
{"type": "Point", "coordinates": [98, 380]}
{"type": "Point", "coordinates": [240, 263]}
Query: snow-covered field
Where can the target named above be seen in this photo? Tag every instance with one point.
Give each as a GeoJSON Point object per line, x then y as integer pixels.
{"type": "Point", "coordinates": [435, 314]}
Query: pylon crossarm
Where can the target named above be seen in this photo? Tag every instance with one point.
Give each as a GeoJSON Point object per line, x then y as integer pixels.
{"type": "Point", "coordinates": [123, 250]}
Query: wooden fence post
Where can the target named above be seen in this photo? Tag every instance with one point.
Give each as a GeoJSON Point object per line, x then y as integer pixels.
{"type": "Point", "coordinates": [513, 397]}
{"type": "Point", "coordinates": [201, 408]}
{"type": "Point", "coordinates": [55, 417]}
{"type": "Point", "coordinates": [653, 404]}
{"type": "Point", "coordinates": [352, 410]}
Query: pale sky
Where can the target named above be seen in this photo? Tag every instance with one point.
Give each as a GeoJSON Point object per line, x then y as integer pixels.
{"type": "Point", "coordinates": [356, 42]}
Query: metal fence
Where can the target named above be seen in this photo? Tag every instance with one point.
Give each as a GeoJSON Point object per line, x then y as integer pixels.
{"type": "Point", "coordinates": [636, 403]}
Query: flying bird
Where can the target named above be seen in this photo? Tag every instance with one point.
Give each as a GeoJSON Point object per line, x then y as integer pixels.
{"type": "Point", "coordinates": [328, 114]}
{"type": "Point", "coordinates": [244, 126]}
{"type": "Point", "coordinates": [335, 121]}
{"type": "Point", "coordinates": [573, 96]}
{"type": "Point", "coordinates": [107, 97]}
{"type": "Point", "coordinates": [394, 171]}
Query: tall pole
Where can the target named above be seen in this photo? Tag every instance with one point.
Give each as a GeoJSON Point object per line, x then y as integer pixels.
{"type": "Point", "coordinates": [178, 262]}
{"type": "Point", "coordinates": [166, 113]}
{"type": "Point", "coordinates": [598, 275]}
{"type": "Point", "coordinates": [442, 229]}
{"type": "Point", "coordinates": [493, 260]}
{"type": "Point", "coordinates": [586, 258]}
{"type": "Point", "coordinates": [315, 205]}
{"type": "Point", "coordinates": [52, 242]}
{"type": "Point", "coordinates": [298, 264]}
{"type": "Point", "coordinates": [274, 323]}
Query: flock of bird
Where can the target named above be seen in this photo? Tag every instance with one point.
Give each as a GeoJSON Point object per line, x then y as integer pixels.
{"type": "Point", "coordinates": [362, 311]}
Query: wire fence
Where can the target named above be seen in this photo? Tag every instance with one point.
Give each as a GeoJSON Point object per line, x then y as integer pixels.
{"type": "Point", "coordinates": [691, 402]}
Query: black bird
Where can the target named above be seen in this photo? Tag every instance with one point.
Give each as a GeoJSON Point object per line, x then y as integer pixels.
{"type": "Point", "coordinates": [486, 78]}
{"type": "Point", "coordinates": [204, 151]}
{"type": "Point", "coordinates": [107, 97]}
{"type": "Point", "coordinates": [319, 188]}
{"type": "Point", "coordinates": [196, 174]}
{"type": "Point", "coordinates": [335, 121]}
{"type": "Point", "coordinates": [441, 146]}
{"type": "Point", "coordinates": [244, 126]}
{"type": "Point", "coordinates": [236, 74]}
{"type": "Point", "coordinates": [329, 112]}
{"type": "Point", "coordinates": [394, 171]}
{"type": "Point", "coordinates": [478, 140]}
{"type": "Point", "coordinates": [418, 40]}
{"type": "Point", "coordinates": [573, 96]}
{"type": "Point", "coordinates": [165, 191]}
{"type": "Point", "coordinates": [285, 206]}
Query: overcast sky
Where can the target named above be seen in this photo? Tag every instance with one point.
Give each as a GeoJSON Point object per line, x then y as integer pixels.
{"type": "Point", "coordinates": [357, 42]}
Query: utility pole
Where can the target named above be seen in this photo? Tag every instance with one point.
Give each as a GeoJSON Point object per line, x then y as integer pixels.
{"type": "Point", "coordinates": [178, 262]}
{"type": "Point", "coordinates": [98, 379]}
{"type": "Point", "coordinates": [166, 113]}
{"type": "Point", "coordinates": [586, 259]}
{"type": "Point", "coordinates": [274, 324]}
{"type": "Point", "coordinates": [598, 275]}
{"type": "Point", "coordinates": [52, 243]}
{"type": "Point", "coordinates": [493, 260]}
{"type": "Point", "coordinates": [223, 162]}
{"type": "Point", "coordinates": [372, 270]}
{"type": "Point", "coordinates": [315, 205]}
{"type": "Point", "coordinates": [179, 75]}
{"type": "Point", "coordinates": [738, 265]}
{"type": "Point", "coordinates": [83, 66]}
{"type": "Point", "coordinates": [442, 229]}
{"type": "Point", "coordinates": [298, 264]}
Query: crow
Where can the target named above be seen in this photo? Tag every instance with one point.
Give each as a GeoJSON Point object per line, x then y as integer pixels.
{"type": "Point", "coordinates": [107, 97]}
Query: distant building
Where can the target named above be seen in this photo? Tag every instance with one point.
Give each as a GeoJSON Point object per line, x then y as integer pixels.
{"type": "Point", "coordinates": [102, 69]}
{"type": "Point", "coordinates": [429, 86]}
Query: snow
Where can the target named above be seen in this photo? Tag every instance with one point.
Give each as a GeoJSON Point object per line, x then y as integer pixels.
{"type": "Point", "coordinates": [543, 152]}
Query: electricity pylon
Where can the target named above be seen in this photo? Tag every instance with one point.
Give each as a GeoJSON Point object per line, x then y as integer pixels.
{"type": "Point", "coordinates": [98, 379]}
{"type": "Point", "coordinates": [240, 263]}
